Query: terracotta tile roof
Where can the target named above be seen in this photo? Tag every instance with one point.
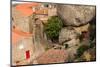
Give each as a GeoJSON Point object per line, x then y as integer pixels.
{"type": "Point", "coordinates": [26, 8]}
{"type": "Point", "coordinates": [18, 34]}
{"type": "Point", "coordinates": [53, 56]}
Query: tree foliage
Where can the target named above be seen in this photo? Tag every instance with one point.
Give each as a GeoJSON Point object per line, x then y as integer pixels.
{"type": "Point", "coordinates": [52, 28]}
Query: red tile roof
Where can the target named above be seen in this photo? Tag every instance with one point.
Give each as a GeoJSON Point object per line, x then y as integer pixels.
{"type": "Point", "coordinates": [53, 56]}
{"type": "Point", "coordinates": [26, 8]}
{"type": "Point", "coordinates": [18, 34]}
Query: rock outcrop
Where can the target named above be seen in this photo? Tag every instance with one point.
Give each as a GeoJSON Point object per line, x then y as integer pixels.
{"type": "Point", "coordinates": [76, 15]}
{"type": "Point", "coordinates": [67, 34]}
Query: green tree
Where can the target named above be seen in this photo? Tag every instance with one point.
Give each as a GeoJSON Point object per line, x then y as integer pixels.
{"type": "Point", "coordinates": [53, 27]}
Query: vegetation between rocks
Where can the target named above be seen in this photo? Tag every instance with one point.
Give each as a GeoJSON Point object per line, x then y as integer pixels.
{"type": "Point", "coordinates": [53, 27]}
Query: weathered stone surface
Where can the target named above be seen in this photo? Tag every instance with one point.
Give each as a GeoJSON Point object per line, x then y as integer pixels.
{"type": "Point", "coordinates": [67, 34]}
{"type": "Point", "coordinates": [76, 15]}
{"type": "Point", "coordinates": [72, 51]}
{"type": "Point", "coordinates": [81, 29]}
{"type": "Point", "coordinates": [73, 42]}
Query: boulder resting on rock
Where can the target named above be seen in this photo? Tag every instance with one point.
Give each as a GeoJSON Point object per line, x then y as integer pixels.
{"type": "Point", "coordinates": [76, 15]}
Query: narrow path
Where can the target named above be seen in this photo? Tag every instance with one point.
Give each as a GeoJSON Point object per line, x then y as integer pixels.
{"type": "Point", "coordinates": [38, 38]}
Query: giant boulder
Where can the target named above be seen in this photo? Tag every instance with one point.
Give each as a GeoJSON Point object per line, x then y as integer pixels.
{"type": "Point", "coordinates": [76, 15]}
{"type": "Point", "coordinates": [67, 34]}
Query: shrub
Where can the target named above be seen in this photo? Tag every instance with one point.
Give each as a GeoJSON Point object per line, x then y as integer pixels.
{"type": "Point", "coordinates": [81, 50]}
{"type": "Point", "coordinates": [92, 43]}
{"type": "Point", "coordinates": [53, 27]}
